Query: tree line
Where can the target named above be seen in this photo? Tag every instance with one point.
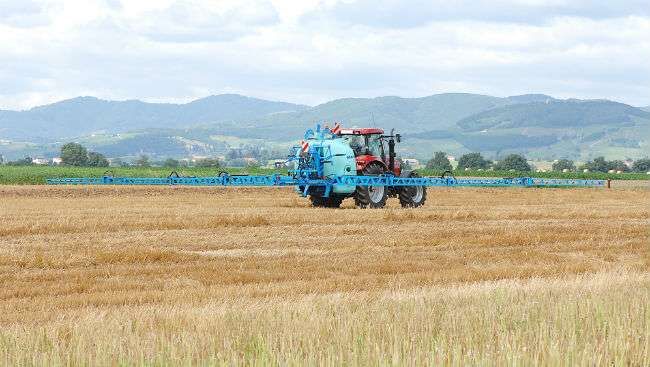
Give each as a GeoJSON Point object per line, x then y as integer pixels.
{"type": "Point", "coordinates": [74, 154]}
{"type": "Point", "coordinates": [517, 162]}
{"type": "Point", "coordinates": [599, 164]}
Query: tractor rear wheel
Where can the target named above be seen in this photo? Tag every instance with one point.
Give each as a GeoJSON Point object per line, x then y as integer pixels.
{"type": "Point", "coordinates": [321, 202]}
{"type": "Point", "coordinates": [412, 196]}
{"type": "Point", "coordinates": [371, 196]}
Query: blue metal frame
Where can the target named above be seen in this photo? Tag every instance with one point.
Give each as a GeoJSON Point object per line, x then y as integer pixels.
{"type": "Point", "coordinates": [305, 182]}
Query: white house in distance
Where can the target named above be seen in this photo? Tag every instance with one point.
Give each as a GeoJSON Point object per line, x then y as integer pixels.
{"type": "Point", "coordinates": [412, 162]}
{"type": "Point", "coordinates": [45, 161]}
{"type": "Point", "coordinates": [276, 163]}
{"type": "Point", "coordinates": [40, 161]}
{"type": "Point", "coordinates": [196, 158]}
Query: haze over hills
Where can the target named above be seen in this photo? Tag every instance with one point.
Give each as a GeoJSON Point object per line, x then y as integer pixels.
{"type": "Point", "coordinates": [559, 128]}
{"type": "Point", "coordinates": [87, 115]}
{"type": "Point", "coordinates": [537, 125]}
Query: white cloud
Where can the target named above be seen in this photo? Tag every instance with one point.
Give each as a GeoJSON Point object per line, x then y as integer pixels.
{"type": "Point", "coordinates": [311, 51]}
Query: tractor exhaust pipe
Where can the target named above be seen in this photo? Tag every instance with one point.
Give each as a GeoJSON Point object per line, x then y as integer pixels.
{"type": "Point", "coordinates": [391, 150]}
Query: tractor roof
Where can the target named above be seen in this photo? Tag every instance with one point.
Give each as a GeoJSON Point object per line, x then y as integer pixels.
{"type": "Point", "coordinates": [361, 131]}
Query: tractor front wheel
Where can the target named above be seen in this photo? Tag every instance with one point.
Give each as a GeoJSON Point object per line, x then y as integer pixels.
{"type": "Point", "coordinates": [412, 196]}
{"type": "Point", "coordinates": [371, 196]}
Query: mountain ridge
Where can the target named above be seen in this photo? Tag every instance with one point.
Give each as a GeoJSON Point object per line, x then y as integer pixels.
{"type": "Point", "coordinates": [538, 125]}
{"type": "Point", "coordinates": [554, 114]}
{"type": "Point", "coordinates": [85, 115]}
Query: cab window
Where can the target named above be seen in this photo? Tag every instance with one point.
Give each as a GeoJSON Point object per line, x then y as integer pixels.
{"type": "Point", "coordinates": [374, 145]}
{"type": "Point", "coordinates": [357, 143]}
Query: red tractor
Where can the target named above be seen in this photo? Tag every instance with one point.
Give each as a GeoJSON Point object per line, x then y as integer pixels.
{"type": "Point", "coordinates": [375, 155]}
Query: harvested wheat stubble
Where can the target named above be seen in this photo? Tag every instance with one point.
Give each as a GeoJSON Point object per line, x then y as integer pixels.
{"type": "Point", "coordinates": [171, 275]}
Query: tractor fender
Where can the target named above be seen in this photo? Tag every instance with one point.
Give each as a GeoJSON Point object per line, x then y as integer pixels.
{"type": "Point", "coordinates": [364, 161]}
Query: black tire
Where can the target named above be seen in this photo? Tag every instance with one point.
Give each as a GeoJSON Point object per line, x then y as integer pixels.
{"type": "Point", "coordinates": [412, 196]}
{"type": "Point", "coordinates": [320, 202]}
{"type": "Point", "coordinates": [368, 196]}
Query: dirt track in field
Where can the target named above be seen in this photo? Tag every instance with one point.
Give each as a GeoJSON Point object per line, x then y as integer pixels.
{"type": "Point", "coordinates": [78, 258]}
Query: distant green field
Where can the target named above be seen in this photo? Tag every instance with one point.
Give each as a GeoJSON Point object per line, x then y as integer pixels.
{"type": "Point", "coordinates": [36, 175]}
{"type": "Point", "coordinates": [567, 175]}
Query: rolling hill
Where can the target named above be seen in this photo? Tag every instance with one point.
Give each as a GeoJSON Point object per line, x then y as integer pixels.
{"type": "Point", "coordinates": [87, 115]}
{"type": "Point", "coordinates": [558, 128]}
{"type": "Point", "coordinates": [407, 114]}
{"type": "Point", "coordinates": [553, 114]}
{"type": "Point", "coordinates": [537, 125]}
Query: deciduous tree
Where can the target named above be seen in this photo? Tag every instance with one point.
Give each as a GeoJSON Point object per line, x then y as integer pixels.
{"type": "Point", "coordinates": [97, 160]}
{"type": "Point", "coordinates": [514, 162]}
{"type": "Point", "coordinates": [641, 165]}
{"type": "Point", "coordinates": [473, 161]}
{"type": "Point", "coordinates": [439, 162]}
{"type": "Point", "coordinates": [73, 154]}
{"type": "Point", "coordinates": [563, 164]}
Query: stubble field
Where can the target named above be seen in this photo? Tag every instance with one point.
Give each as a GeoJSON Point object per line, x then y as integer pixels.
{"type": "Point", "coordinates": [171, 275]}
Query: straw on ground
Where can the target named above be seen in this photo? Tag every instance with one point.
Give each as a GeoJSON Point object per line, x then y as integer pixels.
{"type": "Point", "coordinates": [133, 275]}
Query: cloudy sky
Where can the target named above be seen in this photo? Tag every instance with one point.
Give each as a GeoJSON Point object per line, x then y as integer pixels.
{"type": "Point", "coordinates": [311, 51]}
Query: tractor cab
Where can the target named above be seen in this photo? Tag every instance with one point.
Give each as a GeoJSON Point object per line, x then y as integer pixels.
{"type": "Point", "coordinates": [371, 146]}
